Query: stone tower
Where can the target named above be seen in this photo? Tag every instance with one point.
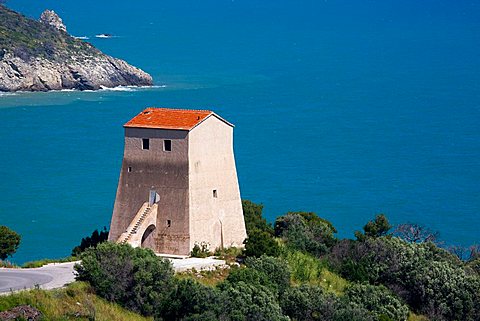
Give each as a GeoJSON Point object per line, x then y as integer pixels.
{"type": "Point", "coordinates": [178, 183]}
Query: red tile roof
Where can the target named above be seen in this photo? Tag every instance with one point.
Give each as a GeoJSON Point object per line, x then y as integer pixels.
{"type": "Point", "coordinates": [167, 118]}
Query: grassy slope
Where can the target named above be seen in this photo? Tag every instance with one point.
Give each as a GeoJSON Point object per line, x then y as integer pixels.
{"type": "Point", "coordinates": [30, 38]}
{"type": "Point", "coordinates": [76, 302]}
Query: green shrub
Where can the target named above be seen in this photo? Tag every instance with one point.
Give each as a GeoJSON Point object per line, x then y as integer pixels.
{"type": "Point", "coordinates": [309, 303]}
{"type": "Point", "coordinates": [200, 250]}
{"type": "Point", "coordinates": [475, 265]}
{"type": "Point", "coordinates": [379, 300]}
{"type": "Point", "coordinates": [430, 279]}
{"type": "Point", "coordinates": [306, 232]}
{"type": "Point", "coordinates": [250, 276]}
{"type": "Point", "coordinates": [275, 269]}
{"type": "Point", "coordinates": [248, 302]}
{"type": "Point", "coordinates": [188, 300]}
{"type": "Point", "coordinates": [261, 243]}
{"type": "Point", "coordinates": [230, 254]}
{"type": "Point", "coordinates": [133, 277]}
{"type": "Point", "coordinates": [9, 242]}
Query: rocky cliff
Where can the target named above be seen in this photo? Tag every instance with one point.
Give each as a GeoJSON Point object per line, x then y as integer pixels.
{"type": "Point", "coordinates": [41, 55]}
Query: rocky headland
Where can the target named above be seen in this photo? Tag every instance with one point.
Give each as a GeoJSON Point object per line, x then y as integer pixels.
{"type": "Point", "coordinates": [41, 56]}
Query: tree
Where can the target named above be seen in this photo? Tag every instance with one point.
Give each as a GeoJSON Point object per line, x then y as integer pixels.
{"type": "Point", "coordinates": [376, 228]}
{"type": "Point", "coordinates": [415, 233]}
{"type": "Point", "coordinates": [9, 242]}
{"type": "Point", "coordinates": [259, 243]}
{"type": "Point", "coordinates": [91, 241]}
{"type": "Point", "coordinates": [252, 214]}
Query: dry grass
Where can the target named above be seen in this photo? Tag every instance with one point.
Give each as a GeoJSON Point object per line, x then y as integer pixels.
{"type": "Point", "coordinates": [76, 302]}
{"type": "Point", "coordinates": [210, 278]}
{"type": "Point", "coordinates": [414, 317]}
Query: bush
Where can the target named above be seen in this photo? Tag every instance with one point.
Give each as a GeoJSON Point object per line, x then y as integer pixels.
{"type": "Point", "coordinates": [444, 291]}
{"type": "Point", "coordinates": [379, 300]}
{"type": "Point", "coordinates": [261, 243]}
{"type": "Point", "coordinates": [189, 300]}
{"type": "Point", "coordinates": [305, 232]}
{"type": "Point", "coordinates": [248, 302]}
{"type": "Point", "coordinates": [309, 303]}
{"type": "Point", "coordinates": [475, 265]}
{"type": "Point", "coordinates": [133, 277]}
{"type": "Point", "coordinates": [200, 250]}
{"type": "Point", "coordinates": [275, 269]}
{"type": "Point", "coordinates": [9, 242]}
{"type": "Point", "coordinates": [250, 276]}
{"type": "Point", "coordinates": [431, 280]}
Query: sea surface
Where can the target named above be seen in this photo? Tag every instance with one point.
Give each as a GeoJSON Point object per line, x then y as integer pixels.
{"type": "Point", "coordinates": [344, 108]}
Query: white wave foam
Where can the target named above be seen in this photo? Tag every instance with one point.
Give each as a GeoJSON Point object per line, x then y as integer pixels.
{"type": "Point", "coordinates": [7, 94]}
{"type": "Point", "coordinates": [131, 88]}
{"type": "Point", "coordinates": [102, 89]}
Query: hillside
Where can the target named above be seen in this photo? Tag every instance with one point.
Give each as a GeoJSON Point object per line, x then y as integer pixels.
{"type": "Point", "coordinates": [75, 302]}
{"type": "Point", "coordinates": [41, 55]}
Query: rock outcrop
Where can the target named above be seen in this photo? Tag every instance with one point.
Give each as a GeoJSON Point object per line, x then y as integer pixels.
{"type": "Point", "coordinates": [41, 56]}
{"type": "Point", "coordinates": [49, 17]}
{"type": "Point", "coordinates": [22, 312]}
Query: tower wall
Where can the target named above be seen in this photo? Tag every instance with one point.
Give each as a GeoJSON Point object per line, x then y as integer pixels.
{"type": "Point", "coordinates": [219, 219]}
{"type": "Point", "coordinates": [166, 172]}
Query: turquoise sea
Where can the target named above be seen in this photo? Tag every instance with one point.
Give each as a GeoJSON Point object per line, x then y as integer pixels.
{"type": "Point", "coordinates": [345, 108]}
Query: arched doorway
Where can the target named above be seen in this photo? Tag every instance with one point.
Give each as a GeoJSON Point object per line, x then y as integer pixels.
{"type": "Point", "coordinates": [148, 240]}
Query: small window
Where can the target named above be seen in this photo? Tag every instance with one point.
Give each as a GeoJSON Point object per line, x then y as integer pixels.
{"type": "Point", "coordinates": [129, 169]}
{"type": "Point", "coordinates": [169, 223]}
{"type": "Point", "coordinates": [167, 145]}
{"type": "Point", "coordinates": [215, 193]}
{"type": "Point", "coordinates": [145, 143]}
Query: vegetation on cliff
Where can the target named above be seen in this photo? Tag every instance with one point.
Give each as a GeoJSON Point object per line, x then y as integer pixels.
{"type": "Point", "coordinates": [41, 56]}
{"type": "Point", "coordinates": [27, 38]}
{"type": "Point", "coordinates": [311, 275]}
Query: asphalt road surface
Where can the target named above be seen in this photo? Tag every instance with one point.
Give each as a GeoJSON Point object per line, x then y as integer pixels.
{"type": "Point", "coordinates": [57, 275]}
{"type": "Point", "coordinates": [50, 276]}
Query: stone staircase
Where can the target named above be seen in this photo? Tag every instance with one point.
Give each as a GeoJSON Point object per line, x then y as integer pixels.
{"type": "Point", "coordinates": [135, 227]}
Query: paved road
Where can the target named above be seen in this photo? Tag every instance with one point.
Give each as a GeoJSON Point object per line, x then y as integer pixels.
{"type": "Point", "coordinates": [56, 275]}
{"type": "Point", "coordinates": [50, 276]}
